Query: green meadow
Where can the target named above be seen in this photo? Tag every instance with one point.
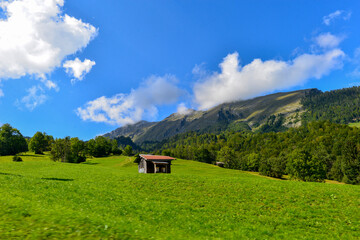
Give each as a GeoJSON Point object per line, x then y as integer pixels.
{"type": "Point", "coordinates": [105, 198]}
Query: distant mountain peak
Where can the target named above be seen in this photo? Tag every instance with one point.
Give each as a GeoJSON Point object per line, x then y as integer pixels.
{"type": "Point", "coordinates": [245, 114]}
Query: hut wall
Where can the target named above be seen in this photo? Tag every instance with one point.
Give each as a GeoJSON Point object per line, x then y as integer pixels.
{"type": "Point", "coordinates": [149, 167]}
{"type": "Point", "coordinates": [142, 166]}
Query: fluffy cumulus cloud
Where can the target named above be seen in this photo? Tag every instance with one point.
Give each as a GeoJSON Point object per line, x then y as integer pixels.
{"type": "Point", "coordinates": [328, 40]}
{"type": "Point", "coordinates": [236, 82]}
{"type": "Point", "coordinates": [123, 109]}
{"type": "Point", "coordinates": [35, 37]}
{"type": "Point", "coordinates": [78, 69]}
{"type": "Point", "coordinates": [345, 15]}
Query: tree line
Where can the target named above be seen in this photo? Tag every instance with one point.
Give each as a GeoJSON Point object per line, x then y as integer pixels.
{"type": "Point", "coordinates": [314, 152]}
{"type": "Point", "coordinates": [71, 150]}
{"type": "Point", "coordinates": [338, 106]}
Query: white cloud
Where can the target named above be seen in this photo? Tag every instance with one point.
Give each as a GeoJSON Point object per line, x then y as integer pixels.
{"type": "Point", "coordinates": [199, 70]}
{"type": "Point", "coordinates": [236, 82]}
{"type": "Point", "coordinates": [183, 110]}
{"type": "Point", "coordinates": [345, 15]}
{"type": "Point", "coordinates": [78, 69]}
{"type": "Point", "coordinates": [36, 36]}
{"type": "Point", "coordinates": [123, 109]}
{"type": "Point", "coordinates": [328, 40]}
{"type": "Point", "coordinates": [50, 84]}
{"type": "Point", "coordinates": [34, 98]}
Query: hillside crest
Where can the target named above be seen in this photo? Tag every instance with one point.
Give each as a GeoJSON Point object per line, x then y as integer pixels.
{"type": "Point", "coordinates": [241, 115]}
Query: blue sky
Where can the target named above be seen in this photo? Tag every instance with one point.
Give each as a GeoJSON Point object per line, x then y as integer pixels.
{"type": "Point", "coordinates": [83, 68]}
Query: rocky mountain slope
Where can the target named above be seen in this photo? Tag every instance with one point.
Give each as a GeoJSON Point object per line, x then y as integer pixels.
{"type": "Point", "coordinates": [240, 115]}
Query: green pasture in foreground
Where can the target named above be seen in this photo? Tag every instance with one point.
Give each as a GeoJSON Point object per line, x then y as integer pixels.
{"type": "Point", "coordinates": [106, 198]}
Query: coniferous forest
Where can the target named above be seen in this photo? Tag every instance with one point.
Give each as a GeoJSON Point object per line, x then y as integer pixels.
{"type": "Point", "coordinates": [314, 152]}
{"type": "Point", "coordinates": [338, 106]}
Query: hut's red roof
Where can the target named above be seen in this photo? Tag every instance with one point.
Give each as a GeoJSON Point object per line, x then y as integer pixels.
{"type": "Point", "coordinates": [156, 157]}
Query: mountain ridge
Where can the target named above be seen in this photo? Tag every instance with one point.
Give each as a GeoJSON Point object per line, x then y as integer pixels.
{"type": "Point", "coordinates": [240, 115]}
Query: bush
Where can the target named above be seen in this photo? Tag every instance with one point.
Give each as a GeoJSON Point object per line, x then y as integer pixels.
{"type": "Point", "coordinates": [40, 142]}
{"type": "Point", "coordinates": [203, 155]}
{"type": "Point", "coordinates": [228, 157]}
{"type": "Point", "coordinates": [336, 170]}
{"type": "Point", "coordinates": [12, 141]}
{"type": "Point", "coordinates": [70, 150]}
{"type": "Point", "coordinates": [17, 159]}
{"type": "Point", "coordinates": [100, 147]}
{"type": "Point", "coordinates": [253, 160]}
{"type": "Point", "coordinates": [115, 148]}
{"type": "Point", "coordinates": [273, 167]}
{"type": "Point", "coordinates": [128, 151]}
{"type": "Point", "coordinates": [302, 166]}
{"type": "Point", "coordinates": [351, 163]}
{"type": "Point", "coordinates": [137, 159]}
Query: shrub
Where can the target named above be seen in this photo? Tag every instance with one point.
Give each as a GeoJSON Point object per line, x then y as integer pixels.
{"type": "Point", "coordinates": [351, 163]}
{"type": "Point", "coordinates": [302, 166]}
{"type": "Point", "coordinates": [70, 150]}
{"type": "Point", "coordinates": [253, 160]}
{"type": "Point", "coordinates": [40, 142]}
{"type": "Point", "coordinates": [272, 167]}
{"type": "Point", "coordinates": [336, 170]}
{"type": "Point", "coordinates": [137, 159]}
{"type": "Point", "coordinates": [128, 151]}
{"type": "Point", "coordinates": [115, 148]}
{"type": "Point", "coordinates": [203, 155]}
{"type": "Point", "coordinates": [12, 141]}
{"type": "Point", "coordinates": [17, 159]}
{"type": "Point", "coordinates": [227, 156]}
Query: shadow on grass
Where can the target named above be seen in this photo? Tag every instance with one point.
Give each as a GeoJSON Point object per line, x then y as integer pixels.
{"type": "Point", "coordinates": [29, 155]}
{"type": "Point", "coordinates": [10, 174]}
{"type": "Point", "coordinates": [58, 179]}
{"type": "Point", "coordinates": [90, 163]}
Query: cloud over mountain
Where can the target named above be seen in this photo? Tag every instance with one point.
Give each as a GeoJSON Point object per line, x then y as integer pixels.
{"type": "Point", "coordinates": [235, 82]}
{"type": "Point", "coordinates": [123, 109]}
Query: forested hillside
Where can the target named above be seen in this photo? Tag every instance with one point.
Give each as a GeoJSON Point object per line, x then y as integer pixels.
{"type": "Point", "coordinates": [339, 106]}
{"type": "Point", "coordinates": [313, 152]}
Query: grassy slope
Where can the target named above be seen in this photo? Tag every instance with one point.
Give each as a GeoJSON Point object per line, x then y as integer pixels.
{"type": "Point", "coordinates": [107, 198]}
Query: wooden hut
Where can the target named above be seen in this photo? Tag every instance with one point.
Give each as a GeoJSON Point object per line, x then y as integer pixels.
{"type": "Point", "coordinates": [155, 164]}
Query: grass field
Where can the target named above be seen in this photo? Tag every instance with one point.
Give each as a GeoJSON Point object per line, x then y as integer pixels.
{"type": "Point", "coordinates": [107, 199]}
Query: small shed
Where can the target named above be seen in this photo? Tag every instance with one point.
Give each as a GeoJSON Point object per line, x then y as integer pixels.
{"type": "Point", "coordinates": [220, 164]}
{"type": "Point", "coordinates": [155, 164]}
